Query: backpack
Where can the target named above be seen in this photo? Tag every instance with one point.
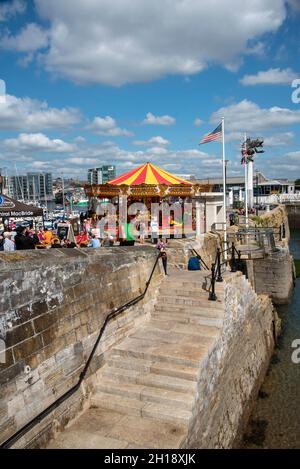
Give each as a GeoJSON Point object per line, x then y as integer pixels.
{"type": "Point", "coordinates": [194, 264]}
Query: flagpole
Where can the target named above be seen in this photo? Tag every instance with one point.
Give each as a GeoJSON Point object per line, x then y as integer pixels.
{"type": "Point", "coordinates": [246, 183]}
{"type": "Point", "coordinates": [224, 190]}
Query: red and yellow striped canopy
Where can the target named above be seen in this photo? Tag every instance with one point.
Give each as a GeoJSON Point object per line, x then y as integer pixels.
{"type": "Point", "coordinates": [148, 174]}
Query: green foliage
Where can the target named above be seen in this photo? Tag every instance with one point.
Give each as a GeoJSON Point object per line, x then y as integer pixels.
{"type": "Point", "coordinates": [297, 182]}
{"type": "Point", "coordinates": [297, 266]}
{"type": "Point", "coordinates": [260, 221]}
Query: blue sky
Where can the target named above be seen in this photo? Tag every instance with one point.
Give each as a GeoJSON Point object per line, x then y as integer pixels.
{"type": "Point", "coordinates": [129, 81]}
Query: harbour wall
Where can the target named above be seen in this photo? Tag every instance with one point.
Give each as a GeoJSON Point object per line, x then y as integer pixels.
{"type": "Point", "coordinates": [52, 306]}
{"type": "Point", "coordinates": [233, 372]}
{"type": "Point", "coordinates": [274, 274]}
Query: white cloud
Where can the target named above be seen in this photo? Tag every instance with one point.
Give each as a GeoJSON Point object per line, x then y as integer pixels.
{"type": "Point", "coordinates": [158, 120]}
{"type": "Point", "coordinates": [31, 38]}
{"type": "Point", "coordinates": [198, 122]}
{"type": "Point", "coordinates": [158, 141]}
{"type": "Point", "coordinates": [25, 114]}
{"type": "Point", "coordinates": [273, 76]}
{"type": "Point", "coordinates": [247, 116]}
{"type": "Point", "coordinates": [125, 41]}
{"type": "Point", "coordinates": [9, 9]}
{"type": "Point", "coordinates": [107, 126]}
{"type": "Point", "coordinates": [38, 142]}
{"type": "Point", "coordinates": [279, 139]}
{"type": "Point", "coordinates": [157, 151]}
{"type": "Point", "coordinates": [79, 139]}
{"type": "Point", "coordinates": [82, 161]}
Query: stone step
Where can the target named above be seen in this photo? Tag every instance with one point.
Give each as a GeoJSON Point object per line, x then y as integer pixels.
{"type": "Point", "coordinates": [166, 369]}
{"type": "Point", "coordinates": [182, 293]}
{"type": "Point", "coordinates": [189, 311]}
{"type": "Point", "coordinates": [187, 319]}
{"type": "Point", "coordinates": [168, 353]}
{"type": "Point", "coordinates": [155, 334]}
{"type": "Point", "coordinates": [147, 393]}
{"type": "Point", "coordinates": [164, 413]}
{"type": "Point", "coordinates": [121, 375]}
{"type": "Point", "coordinates": [189, 329]}
{"type": "Point", "coordinates": [185, 300]}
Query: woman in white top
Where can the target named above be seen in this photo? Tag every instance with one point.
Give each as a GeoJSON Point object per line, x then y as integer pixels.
{"type": "Point", "coordinates": [8, 245]}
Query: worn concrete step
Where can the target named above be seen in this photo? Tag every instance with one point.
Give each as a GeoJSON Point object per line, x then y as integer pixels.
{"type": "Point", "coordinates": [130, 363]}
{"type": "Point", "coordinates": [99, 428]}
{"type": "Point", "coordinates": [185, 300]}
{"type": "Point", "coordinates": [155, 334]}
{"type": "Point", "coordinates": [194, 294]}
{"type": "Point", "coordinates": [121, 375]}
{"type": "Point", "coordinates": [170, 282]}
{"type": "Point", "coordinates": [181, 354]}
{"type": "Point", "coordinates": [187, 289]}
{"type": "Point", "coordinates": [189, 329]}
{"type": "Point", "coordinates": [147, 393]}
{"type": "Point", "coordinates": [189, 311]}
{"type": "Point", "coordinates": [177, 371]}
{"type": "Point", "coordinates": [187, 319]}
{"type": "Point", "coordinates": [166, 369]}
{"type": "Point", "coordinates": [162, 412]}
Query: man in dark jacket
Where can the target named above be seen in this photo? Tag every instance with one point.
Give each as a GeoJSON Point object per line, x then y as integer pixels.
{"type": "Point", "coordinates": [23, 240]}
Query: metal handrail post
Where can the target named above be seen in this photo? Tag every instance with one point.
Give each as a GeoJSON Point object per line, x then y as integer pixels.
{"type": "Point", "coordinates": [212, 293]}
{"type": "Point", "coordinates": [233, 264]}
{"type": "Point", "coordinates": [219, 277]}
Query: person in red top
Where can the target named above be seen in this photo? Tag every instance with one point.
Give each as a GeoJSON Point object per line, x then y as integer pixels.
{"type": "Point", "coordinates": [82, 239]}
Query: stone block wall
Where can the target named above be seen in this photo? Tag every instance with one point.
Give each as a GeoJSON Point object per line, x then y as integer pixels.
{"type": "Point", "coordinates": [232, 373]}
{"type": "Point", "coordinates": [275, 218]}
{"type": "Point", "coordinates": [274, 275]}
{"type": "Point", "coordinates": [179, 251]}
{"type": "Point", "coordinates": [52, 306]}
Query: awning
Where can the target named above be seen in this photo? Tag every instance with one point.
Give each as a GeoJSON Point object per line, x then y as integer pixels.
{"type": "Point", "coordinates": [13, 208]}
{"type": "Point", "coordinates": [148, 174]}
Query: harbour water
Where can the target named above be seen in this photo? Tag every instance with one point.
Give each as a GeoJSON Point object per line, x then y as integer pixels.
{"type": "Point", "coordinates": [275, 421]}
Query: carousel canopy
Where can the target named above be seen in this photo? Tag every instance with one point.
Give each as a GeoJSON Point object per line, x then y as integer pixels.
{"type": "Point", "coordinates": [148, 174]}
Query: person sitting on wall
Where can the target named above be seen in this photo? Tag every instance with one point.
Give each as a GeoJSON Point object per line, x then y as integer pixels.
{"type": "Point", "coordinates": [24, 240]}
{"type": "Point", "coordinates": [95, 242]}
{"type": "Point", "coordinates": [82, 239]}
{"type": "Point", "coordinates": [41, 235]}
{"type": "Point", "coordinates": [48, 237]}
{"type": "Point", "coordinates": [8, 244]}
{"type": "Point", "coordinates": [55, 242]}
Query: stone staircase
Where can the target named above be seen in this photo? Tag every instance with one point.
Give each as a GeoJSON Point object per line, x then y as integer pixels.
{"type": "Point", "coordinates": [146, 389]}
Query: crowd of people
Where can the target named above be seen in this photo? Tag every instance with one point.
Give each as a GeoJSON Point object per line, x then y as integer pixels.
{"type": "Point", "coordinates": [17, 238]}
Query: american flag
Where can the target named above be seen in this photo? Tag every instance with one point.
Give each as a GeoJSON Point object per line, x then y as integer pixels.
{"type": "Point", "coordinates": [215, 135]}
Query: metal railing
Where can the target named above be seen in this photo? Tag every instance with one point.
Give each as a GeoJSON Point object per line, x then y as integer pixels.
{"type": "Point", "coordinates": [216, 268]}
{"type": "Point", "coordinates": [200, 258]}
{"type": "Point", "coordinates": [114, 313]}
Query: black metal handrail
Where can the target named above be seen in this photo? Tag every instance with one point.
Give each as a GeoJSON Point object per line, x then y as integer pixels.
{"type": "Point", "coordinates": [216, 268]}
{"type": "Point", "coordinates": [115, 312]}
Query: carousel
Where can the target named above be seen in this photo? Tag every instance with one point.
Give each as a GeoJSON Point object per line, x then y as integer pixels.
{"type": "Point", "coordinates": [147, 184]}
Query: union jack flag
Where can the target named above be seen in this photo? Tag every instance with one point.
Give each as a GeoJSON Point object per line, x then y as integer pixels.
{"type": "Point", "coordinates": [215, 135]}
{"type": "Point", "coordinates": [244, 159]}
